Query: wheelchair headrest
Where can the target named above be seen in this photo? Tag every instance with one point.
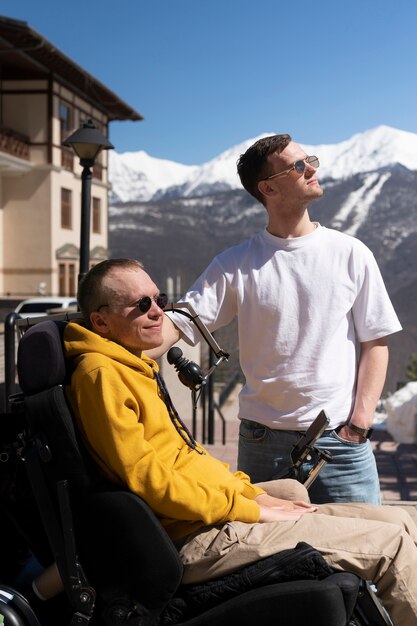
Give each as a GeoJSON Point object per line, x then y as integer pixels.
{"type": "Point", "coordinates": [40, 357]}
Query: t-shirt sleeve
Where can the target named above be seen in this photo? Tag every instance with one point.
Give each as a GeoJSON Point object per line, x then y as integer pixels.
{"type": "Point", "coordinates": [373, 313]}
{"type": "Point", "coordinates": [212, 298]}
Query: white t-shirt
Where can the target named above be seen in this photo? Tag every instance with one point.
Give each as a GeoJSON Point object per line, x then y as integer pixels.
{"type": "Point", "coordinates": [302, 305]}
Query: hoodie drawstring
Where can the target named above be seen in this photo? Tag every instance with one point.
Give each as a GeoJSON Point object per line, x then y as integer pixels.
{"type": "Point", "coordinates": [179, 425]}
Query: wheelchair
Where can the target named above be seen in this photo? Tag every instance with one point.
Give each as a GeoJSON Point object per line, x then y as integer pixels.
{"type": "Point", "coordinates": [117, 564]}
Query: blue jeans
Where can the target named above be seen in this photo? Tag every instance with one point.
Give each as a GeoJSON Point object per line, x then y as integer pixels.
{"type": "Point", "coordinates": [351, 476]}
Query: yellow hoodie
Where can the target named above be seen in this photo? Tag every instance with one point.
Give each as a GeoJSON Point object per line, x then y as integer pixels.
{"type": "Point", "coordinates": [126, 426]}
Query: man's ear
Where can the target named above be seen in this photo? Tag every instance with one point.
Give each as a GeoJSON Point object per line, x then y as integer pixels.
{"type": "Point", "coordinates": [99, 323]}
{"type": "Point", "coordinates": [265, 188]}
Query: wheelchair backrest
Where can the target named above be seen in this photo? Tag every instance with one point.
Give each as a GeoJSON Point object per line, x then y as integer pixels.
{"type": "Point", "coordinates": [42, 371]}
{"type": "Point", "coordinates": [40, 361]}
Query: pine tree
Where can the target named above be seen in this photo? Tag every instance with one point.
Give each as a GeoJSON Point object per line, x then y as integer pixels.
{"type": "Point", "coordinates": [412, 368]}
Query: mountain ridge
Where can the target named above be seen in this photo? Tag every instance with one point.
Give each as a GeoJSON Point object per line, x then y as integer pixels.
{"type": "Point", "coordinates": [136, 176]}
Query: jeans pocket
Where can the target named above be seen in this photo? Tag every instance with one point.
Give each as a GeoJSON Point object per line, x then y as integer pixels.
{"type": "Point", "coordinates": [251, 431]}
{"type": "Point", "coordinates": [347, 442]}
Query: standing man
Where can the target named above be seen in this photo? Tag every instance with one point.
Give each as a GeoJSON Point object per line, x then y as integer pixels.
{"type": "Point", "coordinates": [313, 316]}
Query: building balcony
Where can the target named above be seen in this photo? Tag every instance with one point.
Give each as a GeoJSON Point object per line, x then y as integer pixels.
{"type": "Point", "coordinates": [14, 143]}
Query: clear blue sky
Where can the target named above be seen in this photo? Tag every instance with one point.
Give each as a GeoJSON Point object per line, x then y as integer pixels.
{"type": "Point", "coordinates": [208, 75]}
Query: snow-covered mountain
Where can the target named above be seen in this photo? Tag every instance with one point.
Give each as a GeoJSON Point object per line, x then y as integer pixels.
{"type": "Point", "coordinates": [136, 176]}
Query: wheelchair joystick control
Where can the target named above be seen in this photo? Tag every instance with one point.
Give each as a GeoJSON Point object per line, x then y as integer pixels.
{"type": "Point", "coordinates": [190, 374]}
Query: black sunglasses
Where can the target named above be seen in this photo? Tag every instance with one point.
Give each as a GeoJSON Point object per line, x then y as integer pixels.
{"type": "Point", "coordinates": [145, 303]}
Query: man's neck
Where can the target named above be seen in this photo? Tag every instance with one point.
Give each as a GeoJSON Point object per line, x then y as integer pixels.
{"type": "Point", "coordinates": [291, 228]}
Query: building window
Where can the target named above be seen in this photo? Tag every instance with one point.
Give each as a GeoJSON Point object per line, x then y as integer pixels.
{"type": "Point", "coordinates": [66, 208]}
{"type": "Point", "coordinates": [68, 119]}
{"type": "Point", "coordinates": [96, 215]}
{"type": "Point", "coordinates": [72, 284]}
{"type": "Point", "coordinates": [67, 278]}
{"type": "Point", "coordinates": [61, 278]}
{"type": "Point", "coordinates": [66, 116]}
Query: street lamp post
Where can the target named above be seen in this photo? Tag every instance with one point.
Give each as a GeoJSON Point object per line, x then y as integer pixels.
{"type": "Point", "coordinates": [86, 142]}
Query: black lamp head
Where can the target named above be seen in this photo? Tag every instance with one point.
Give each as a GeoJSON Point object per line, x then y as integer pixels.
{"type": "Point", "coordinates": [87, 142]}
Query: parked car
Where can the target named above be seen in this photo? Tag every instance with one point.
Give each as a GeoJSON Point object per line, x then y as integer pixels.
{"type": "Point", "coordinates": [35, 307]}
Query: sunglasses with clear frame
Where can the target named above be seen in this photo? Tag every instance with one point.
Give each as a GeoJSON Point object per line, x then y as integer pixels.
{"type": "Point", "coordinates": [145, 303]}
{"type": "Point", "coordinates": [298, 166]}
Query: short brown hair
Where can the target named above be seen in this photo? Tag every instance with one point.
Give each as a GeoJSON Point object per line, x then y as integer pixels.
{"type": "Point", "coordinates": [252, 165]}
{"type": "Point", "coordinates": [91, 291]}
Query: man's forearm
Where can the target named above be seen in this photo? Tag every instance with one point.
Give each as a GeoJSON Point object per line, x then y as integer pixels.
{"type": "Point", "coordinates": [372, 371]}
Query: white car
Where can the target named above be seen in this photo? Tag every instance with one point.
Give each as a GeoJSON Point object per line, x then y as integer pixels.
{"type": "Point", "coordinates": [36, 307]}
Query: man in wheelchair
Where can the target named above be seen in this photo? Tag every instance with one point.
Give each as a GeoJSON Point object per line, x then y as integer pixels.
{"type": "Point", "coordinates": [218, 520]}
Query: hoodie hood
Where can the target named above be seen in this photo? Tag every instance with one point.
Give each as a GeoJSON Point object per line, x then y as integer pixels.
{"type": "Point", "coordinates": [79, 342]}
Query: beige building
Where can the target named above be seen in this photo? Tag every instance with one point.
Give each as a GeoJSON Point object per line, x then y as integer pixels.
{"type": "Point", "coordinates": [44, 97]}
